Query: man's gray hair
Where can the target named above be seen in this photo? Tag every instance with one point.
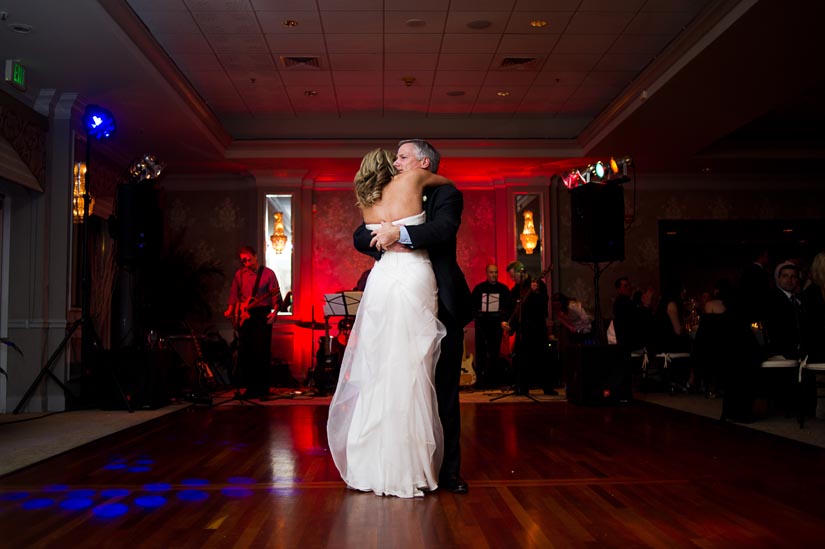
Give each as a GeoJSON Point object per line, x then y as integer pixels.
{"type": "Point", "coordinates": [423, 149]}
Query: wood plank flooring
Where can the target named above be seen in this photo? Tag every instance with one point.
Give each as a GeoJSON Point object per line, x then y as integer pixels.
{"type": "Point", "coordinates": [541, 475]}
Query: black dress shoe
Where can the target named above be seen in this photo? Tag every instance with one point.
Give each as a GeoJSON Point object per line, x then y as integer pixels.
{"type": "Point", "coordinates": [454, 484]}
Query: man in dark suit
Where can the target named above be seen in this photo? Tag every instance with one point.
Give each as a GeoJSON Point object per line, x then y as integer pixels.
{"type": "Point", "coordinates": [443, 205]}
{"type": "Point", "coordinates": [784, 317]}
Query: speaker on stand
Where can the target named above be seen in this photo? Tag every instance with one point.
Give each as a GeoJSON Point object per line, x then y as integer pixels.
{"type": "Point", "coordinates": [597, 234]}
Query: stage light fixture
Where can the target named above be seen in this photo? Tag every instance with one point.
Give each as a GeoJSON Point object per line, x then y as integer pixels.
{"type": "Point", "coordinates": [598, 172]}
{"type": "Point", "coordinates": [99, 122]}
{"type": "Point", "coordinates": [146, 167]}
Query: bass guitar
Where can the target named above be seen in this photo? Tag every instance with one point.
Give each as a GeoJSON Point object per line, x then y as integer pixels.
{"type": "Point", "coordinates": [242, 310]}
{"type": "Point", "coordinates": [206, 378]}
{"type": "Point", "coordinates": [524, 293]}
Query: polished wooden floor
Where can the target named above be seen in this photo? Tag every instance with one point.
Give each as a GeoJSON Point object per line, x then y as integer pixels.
{"type": "Point", "coordinates": [541, 475]}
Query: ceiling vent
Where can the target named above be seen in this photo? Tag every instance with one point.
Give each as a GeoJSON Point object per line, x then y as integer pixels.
{"type": "Point", "coordinates": [306, 62]}
{"type": "Point", "coordinates": [518, 62]}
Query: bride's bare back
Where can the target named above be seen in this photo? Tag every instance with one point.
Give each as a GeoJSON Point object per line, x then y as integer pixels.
{"type": "Point", "coordinates": [401, 197]}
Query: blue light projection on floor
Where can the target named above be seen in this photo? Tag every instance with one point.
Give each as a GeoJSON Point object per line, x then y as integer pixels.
{"type": "Point", "coordinates": [111, 503]}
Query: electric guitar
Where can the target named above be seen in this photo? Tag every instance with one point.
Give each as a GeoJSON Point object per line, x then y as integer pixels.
{"type": "Point", "coordinates": [468, 373]}
{"type": "Point", "coordinates": [241, 314]}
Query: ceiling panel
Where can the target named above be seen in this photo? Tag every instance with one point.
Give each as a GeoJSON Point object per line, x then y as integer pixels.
{"type": "Point", "coordinates": [218, 5]}
{"type": "Point", "coordinates": [464, 61]}
{"type": "Point", "coordinates": [296, 44]}
{"type": "Point", "coordinates": [355, 61]}
{"type": "Point", "coordinates": [350, 5]}
{"type": "Point", "coordinates": [526, 43]}
{"type": "Point", "coordinates": [228, 22]}
{"type": "Point", "coordinates": [354, 43]}
{"type": "Point", "coordinates": [410, 61]}
{"type": "Point", "coordinates": [412, 43]}
{"type": "Point", "coordinates": [557, 21]}
{"type": "Point", "coordinates": [599, 23]}
{"type": "Point", "coordinates": [611, 5]}
{"type": "Point", "coordinates": [459, 78]}
{"type": "Point", "coordinates": [352, 22]}
{"type": "Point", "coordinates": [457, 22]}
{"type": "Point", "coordinates": [272, 22]}
{"type": "Point", "coordinates": [428, 22]}
{"type": "Point", "coordinates": [471, 43]}
{"type": "Point", "coordinates": [358, 78]}
{"type": "Point", "coordinates": [306, 78]}
{"type": "Point", "coordinates": [238, 43]}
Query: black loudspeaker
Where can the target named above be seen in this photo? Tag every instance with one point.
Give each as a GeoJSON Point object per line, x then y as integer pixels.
{"type": "Point", "coordinates": [598, 374]}
{"type": "Point", "coordinates": [142, 376]}
{"type": "Point", "coordinates": [139, 229]}
{"type": "Point", "coordinates": [597, 223]}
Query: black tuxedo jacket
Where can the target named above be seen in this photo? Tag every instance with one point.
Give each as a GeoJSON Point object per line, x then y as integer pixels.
{"type": "Point", "coordinates": [443, 205]}
{"type": "Point", "coordinates": [783, 325]}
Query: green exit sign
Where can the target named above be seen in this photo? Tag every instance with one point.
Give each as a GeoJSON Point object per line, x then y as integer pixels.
{"type": "Point", "coordinates": [16, 74]}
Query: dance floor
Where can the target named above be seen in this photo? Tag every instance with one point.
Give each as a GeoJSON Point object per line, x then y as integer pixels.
{"type": "Point", "coordinates": [541, 475]}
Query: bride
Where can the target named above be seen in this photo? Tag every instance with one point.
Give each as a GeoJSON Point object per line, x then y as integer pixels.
{"type": "Point", "coordinates": [383, 430]}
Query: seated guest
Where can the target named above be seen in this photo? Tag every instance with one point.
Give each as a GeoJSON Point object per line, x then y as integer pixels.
{"type": "Point", "coordinates": [631, 319]}
{"type": "Point", "coordinates": [784, 316]}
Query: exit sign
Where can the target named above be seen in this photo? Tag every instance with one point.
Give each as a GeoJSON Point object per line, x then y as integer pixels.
{"type": "Point", "coordinates": [16, 74]}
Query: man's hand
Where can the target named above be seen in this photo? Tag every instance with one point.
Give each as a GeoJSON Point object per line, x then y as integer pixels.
{"type": "Point", "coordinates": [228, 312]}
{"type": "Point", "coordinates": [270, 318]}
{"type": "Point", "coordinates": [534, 286]}
{"type": "Point", "coordinates": [385, 236]}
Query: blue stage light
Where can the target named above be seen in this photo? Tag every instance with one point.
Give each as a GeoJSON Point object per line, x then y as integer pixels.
{"type": "Point", "coordinates": [99, 122]}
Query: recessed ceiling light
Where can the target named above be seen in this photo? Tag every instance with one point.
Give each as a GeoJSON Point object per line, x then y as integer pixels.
{"type": "Point", "coordinates": [21, 28]}
{"type": "Point", "coordinates": [502, 93]}
{"type": "Point", "coordinates": [408, 80]}
{"type": "Point", "coordinates": [290, 23]}
{"type": "Point", "coordinates": [538, 23]}
{"type": "Point", "coordinates": [479, 24]}
{"type": "Point", "coordinates": [415, 23]}
{"type": "Point", "coordinates": [310, 93]}
{"type": "Point", "coordinates": [455, 93]}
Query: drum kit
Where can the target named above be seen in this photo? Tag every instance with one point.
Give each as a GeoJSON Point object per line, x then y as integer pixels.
{"type": "Point", "coordinates": [327, 359]}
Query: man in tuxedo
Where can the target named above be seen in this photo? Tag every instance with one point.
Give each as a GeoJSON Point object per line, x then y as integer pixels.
{"type": "Point", "coordinates": [443, 205]}
{"type": "Point", "coordinates": [784, 316]}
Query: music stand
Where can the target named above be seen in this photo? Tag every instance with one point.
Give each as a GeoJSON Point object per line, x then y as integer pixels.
{"type": "Point", "coordinates": [342, 304]}
{"type": "Point", "coordinates": [490, 303]}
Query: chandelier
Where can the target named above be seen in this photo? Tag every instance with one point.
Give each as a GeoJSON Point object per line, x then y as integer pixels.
{"type": "Point", "coordinates": [278, 237]}
{"type": "Point", "coordinates": [529, 238]}
{"type": "Point", "coordinates": [79, 194]}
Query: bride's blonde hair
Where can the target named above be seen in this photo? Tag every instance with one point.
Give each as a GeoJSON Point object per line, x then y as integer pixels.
{"type": "Point", "coordinates": [375, 172]}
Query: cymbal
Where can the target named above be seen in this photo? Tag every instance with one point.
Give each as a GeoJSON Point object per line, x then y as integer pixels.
{"type": "Point", "coordinates": [312, 325]}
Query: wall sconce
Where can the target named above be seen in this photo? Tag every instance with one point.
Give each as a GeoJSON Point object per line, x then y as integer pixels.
{"type": "Point", "coordinates": [278, 237]}
{"type": "Point", "coordinates": [79, 194]}
{"type": "Point", "coordinates": [529, 238]}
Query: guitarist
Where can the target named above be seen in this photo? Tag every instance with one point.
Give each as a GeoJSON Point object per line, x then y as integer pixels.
{"type": "Point", "coordinates": [528, 320]}
{"type": "Point", "coordinates": [254, 298]}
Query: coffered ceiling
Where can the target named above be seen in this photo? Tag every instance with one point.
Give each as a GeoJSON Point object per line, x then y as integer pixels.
{"type": "Point", "coordinates": [234, 85]}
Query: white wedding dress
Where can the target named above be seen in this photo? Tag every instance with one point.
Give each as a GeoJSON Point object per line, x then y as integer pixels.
{"type": "Point", "coordinates": [383, 430]}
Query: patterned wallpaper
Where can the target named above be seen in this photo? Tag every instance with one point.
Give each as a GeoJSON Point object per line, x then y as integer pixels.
{"type": "Point", "coordinates": [641, 262]}
{"type": "Point", "coordinates": [336, 264]}
{"type": "Point", "coordinates": [477, 236]}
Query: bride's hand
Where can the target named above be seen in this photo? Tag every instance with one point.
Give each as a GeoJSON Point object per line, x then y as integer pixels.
{"type": "Point", "coordinates": [385, 235]}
